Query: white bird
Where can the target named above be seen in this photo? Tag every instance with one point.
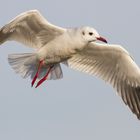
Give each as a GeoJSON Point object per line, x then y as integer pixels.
{"type": "Point", "coordinates": [76, 48]}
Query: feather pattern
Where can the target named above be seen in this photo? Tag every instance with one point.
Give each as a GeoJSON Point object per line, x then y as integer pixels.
{"type": "Point", "coordinates": [113, 64]}
{"type": "Point", "coordinates": [31, 29]}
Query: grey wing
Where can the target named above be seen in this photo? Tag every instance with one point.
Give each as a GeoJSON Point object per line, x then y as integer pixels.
{"type": "Point", "coordinates": [113, 64]}
{"type": "Point", "coordinates": [31, 29]}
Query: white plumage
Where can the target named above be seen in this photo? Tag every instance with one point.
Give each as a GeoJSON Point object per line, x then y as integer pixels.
{"type": "Point", "coordinates": [76, 48]}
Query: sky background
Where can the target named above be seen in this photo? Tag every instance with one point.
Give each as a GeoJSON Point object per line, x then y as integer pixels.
{"type": "Point", "coordinates": [78, 107]}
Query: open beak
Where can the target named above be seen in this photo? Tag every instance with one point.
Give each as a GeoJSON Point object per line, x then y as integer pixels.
{"type": "Point", "coordinates": [102, 39]}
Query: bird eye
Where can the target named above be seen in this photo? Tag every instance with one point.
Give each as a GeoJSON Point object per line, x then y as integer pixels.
{"type": "Point", "coordinates": [90, 33]}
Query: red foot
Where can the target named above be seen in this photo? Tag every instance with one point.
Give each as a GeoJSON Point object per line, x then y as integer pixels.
{"type": "Point", "coordinates": [34, 79]}
{"type": "Point", "coordinates": [37, 73]}
{"type": "Point", "coordinates": [44, 78]}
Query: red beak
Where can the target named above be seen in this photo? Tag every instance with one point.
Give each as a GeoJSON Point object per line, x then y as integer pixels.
{"type": "Point", "coordinates": [102, 39]}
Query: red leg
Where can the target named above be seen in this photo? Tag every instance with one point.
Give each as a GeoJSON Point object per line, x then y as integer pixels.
{"type": "Point", "coordinates": [37, 73]}
{"type": "Point", "coordinates": [44, 78]}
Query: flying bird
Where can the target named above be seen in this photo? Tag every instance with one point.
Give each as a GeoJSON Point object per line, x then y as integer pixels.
{"type": "Point", "coordinates": [76, 48]}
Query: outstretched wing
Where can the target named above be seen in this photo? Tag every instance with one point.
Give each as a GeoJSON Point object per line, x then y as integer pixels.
{"type": "Point", "coordinates": [31, 29]}
{"type": "Point", "coordinates": [113, 64]}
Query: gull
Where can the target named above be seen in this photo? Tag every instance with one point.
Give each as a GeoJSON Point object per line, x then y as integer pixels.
{"type": "Point", "coordinates": [76, 48]}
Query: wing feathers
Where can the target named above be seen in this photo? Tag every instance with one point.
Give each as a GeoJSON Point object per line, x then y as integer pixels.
{"type": "Point", "coordinates": [113, 64]}
{"type": "Point", "coordinates": [31, 29]}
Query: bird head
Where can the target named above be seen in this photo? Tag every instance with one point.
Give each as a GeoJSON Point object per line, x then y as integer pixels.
{"type": "Point", "coordinates": [91, 35]}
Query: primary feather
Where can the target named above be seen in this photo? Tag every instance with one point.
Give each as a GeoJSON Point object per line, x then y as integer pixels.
{"type": "Point", "coordinates": [113, 64]}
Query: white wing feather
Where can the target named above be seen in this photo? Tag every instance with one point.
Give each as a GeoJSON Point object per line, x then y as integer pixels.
{"type": "Point", "coordinates": [31, 29]}
{"type": "Point", "coordinates": [113, 64]}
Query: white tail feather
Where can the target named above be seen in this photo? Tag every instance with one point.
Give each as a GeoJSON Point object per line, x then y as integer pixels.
{"type": "Point", "coordinates": [26, 65]}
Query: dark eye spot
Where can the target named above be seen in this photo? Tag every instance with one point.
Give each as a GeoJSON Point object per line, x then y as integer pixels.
{"type": "Point", "coordinates": [83, 33]}
{"type": "Point", "coordinates": [90, 33]}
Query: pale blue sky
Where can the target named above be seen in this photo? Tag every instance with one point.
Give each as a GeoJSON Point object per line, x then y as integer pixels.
{"type": "Point", "coordinates": [78, 107]}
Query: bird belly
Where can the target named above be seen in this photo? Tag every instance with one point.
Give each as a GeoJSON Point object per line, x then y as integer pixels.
{"type": "Point", "coordinates": [59, 50]}
{"type": "Point", "coordinates": [53, 55]}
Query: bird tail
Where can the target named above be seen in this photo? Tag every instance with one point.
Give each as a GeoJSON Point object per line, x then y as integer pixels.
{"type": "Point", "coordinates": [26, 65]}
